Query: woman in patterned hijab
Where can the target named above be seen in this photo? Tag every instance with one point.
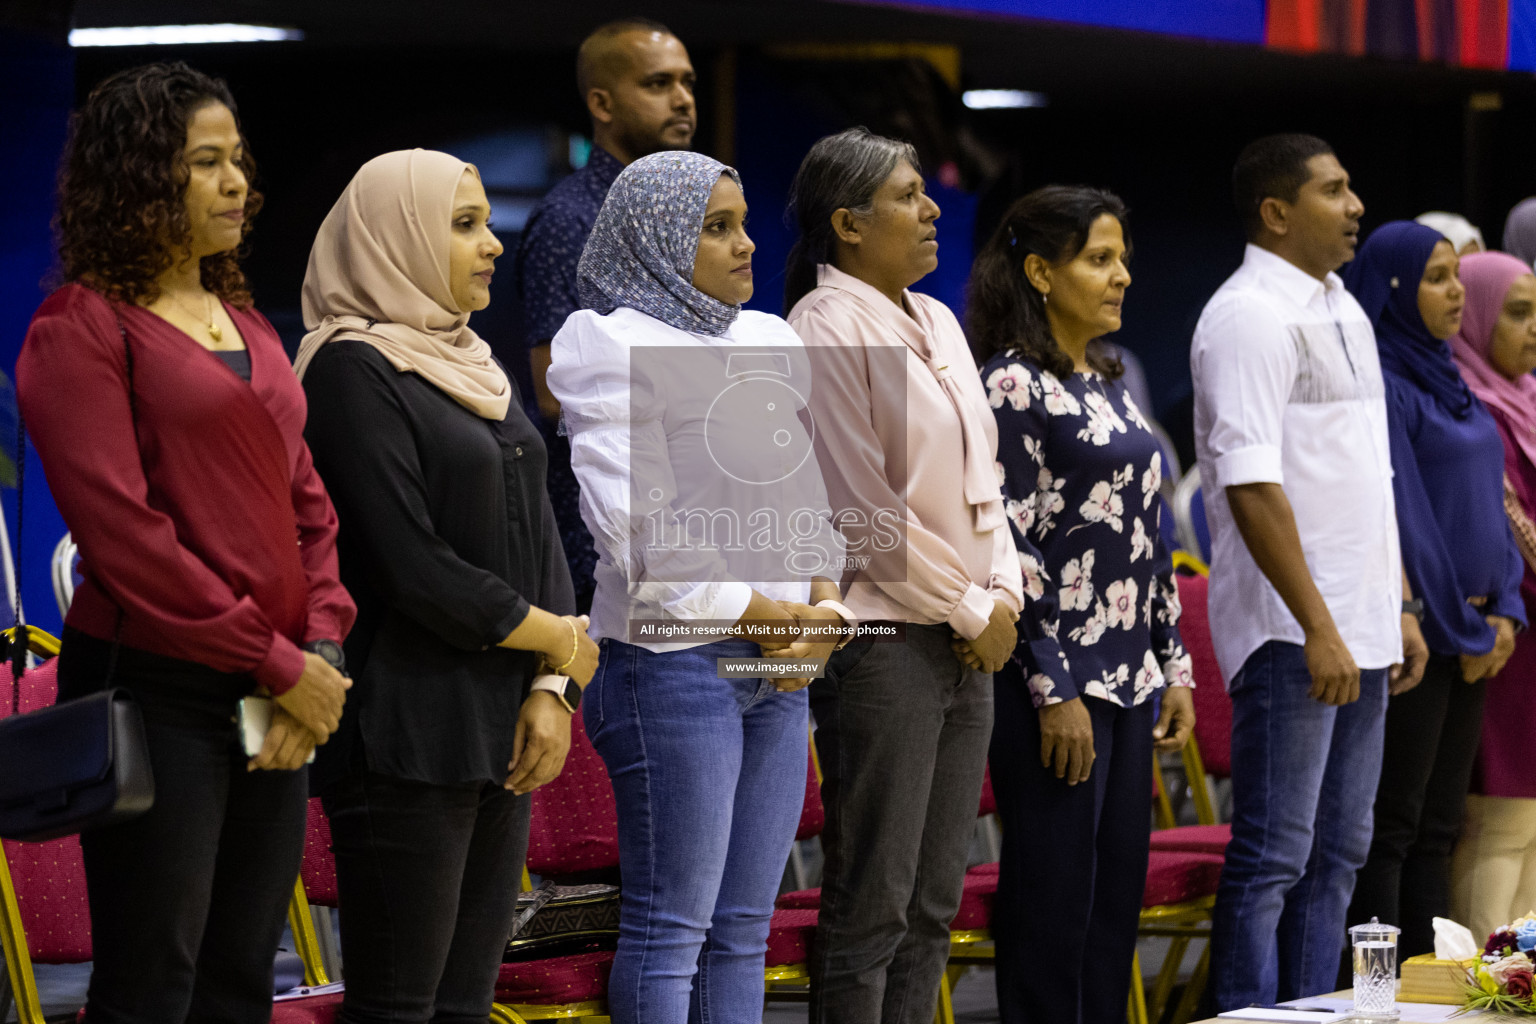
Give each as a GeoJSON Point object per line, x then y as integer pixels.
{"type": "Point", "coordinates": [708, 765]}
{"type": "Point", "coordinates": [641, 250]}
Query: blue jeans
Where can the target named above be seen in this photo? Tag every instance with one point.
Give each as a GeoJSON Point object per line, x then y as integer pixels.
{"type": "Point", "coordinates": [709, 776]}
{"type": "Point", "coordinates": [1304, 778]}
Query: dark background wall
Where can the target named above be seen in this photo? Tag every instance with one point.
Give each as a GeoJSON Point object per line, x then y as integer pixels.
{"type": "Point", "coordinates": [1155, 118]}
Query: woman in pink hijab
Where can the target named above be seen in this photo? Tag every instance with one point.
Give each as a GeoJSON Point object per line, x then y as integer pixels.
{"type": "Point", "coordinates": [1494, 871]}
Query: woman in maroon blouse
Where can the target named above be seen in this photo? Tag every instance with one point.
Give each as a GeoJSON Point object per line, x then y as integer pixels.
{"type": "Point", "coordinates": [207, 542]}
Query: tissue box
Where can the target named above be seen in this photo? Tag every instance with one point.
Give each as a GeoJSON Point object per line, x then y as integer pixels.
{"type": "Point", "coordinates": [1428, 980]}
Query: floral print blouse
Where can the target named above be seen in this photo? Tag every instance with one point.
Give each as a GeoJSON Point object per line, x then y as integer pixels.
{"type": "Point", "coordinates": [1081, 471]}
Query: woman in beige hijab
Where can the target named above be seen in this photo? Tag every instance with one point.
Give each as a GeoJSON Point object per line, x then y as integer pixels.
{"type": "Point", "coordinates": [450, 549]}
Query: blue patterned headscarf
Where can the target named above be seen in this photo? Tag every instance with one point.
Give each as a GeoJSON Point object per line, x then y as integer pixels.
{"type": "Point", "coordinates": [641, 250]}
{"type": "Point", "coordinates": [1385, 278]}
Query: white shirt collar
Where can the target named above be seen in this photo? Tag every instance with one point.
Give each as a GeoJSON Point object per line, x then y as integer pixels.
{"type": "Point", "coordinates": [1287, 278]}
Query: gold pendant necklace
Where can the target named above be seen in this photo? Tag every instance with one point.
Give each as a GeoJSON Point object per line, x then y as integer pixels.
{"type": "Point", "coordinates": [214, 331]}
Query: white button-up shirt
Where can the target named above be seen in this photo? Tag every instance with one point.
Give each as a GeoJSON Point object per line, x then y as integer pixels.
{"type": "Point", "coordinates": [698, 479]}
{"type": "Point", "coordinates": [1288, 390]}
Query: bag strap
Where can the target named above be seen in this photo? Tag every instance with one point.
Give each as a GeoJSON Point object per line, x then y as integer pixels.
{"type": "Point", "coordinates": [541, 896]}
{"type": "Point", "coordinates": [20, 637]}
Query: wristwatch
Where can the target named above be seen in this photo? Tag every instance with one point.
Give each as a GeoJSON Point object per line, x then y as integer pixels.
{"type": "Point", "coordinates": [1414, 607]}
{"type": "Point", "coordinates": [565, 689]}
{"type": "Point", "coordinates": [330, 651]}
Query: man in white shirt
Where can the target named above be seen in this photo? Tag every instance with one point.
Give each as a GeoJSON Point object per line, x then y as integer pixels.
{"type": "Point", "coordinates": [1306, 599]}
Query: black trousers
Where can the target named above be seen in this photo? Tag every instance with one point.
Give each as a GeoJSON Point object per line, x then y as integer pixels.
{"type": "Point", "coordinates": [1074, 863]}
{"type": "Point", "coordinates": [428, 877]}
{"type": "Point", "coordinates": [1432, 736]}
{"type": "Point", "coordinates": [902, 730]}
{"type": "Point", "coordinates": [188, 900]}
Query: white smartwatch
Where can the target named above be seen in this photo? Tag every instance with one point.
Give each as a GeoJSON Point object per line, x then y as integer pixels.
{"type": "Point", "coordinates": [565, 689]}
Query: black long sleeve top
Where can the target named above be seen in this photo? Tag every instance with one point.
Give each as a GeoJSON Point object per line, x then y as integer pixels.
{"type": "Point", "coordinates": [447, 538]}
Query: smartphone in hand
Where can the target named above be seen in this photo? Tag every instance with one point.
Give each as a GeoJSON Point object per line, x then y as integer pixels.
{"type": "Point", "coordinates": [254, 715]}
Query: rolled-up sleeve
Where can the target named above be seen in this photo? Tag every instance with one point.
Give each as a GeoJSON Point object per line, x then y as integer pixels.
{"type": "Point", "coordinates": [1246, 369]}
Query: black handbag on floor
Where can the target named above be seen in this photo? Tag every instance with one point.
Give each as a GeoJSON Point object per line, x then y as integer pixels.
{"type": "Point", "coordinates": [81, 763]}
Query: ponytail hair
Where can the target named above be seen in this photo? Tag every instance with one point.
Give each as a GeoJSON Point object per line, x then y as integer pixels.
{"type": "Point", "coordinates": [842, 171]}
{"type": "Point", "coordinates": [1004, 312]}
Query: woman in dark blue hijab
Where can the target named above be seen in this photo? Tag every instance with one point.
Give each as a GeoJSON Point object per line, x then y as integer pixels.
{"type": "Point", "coordinates": [1461, 562]}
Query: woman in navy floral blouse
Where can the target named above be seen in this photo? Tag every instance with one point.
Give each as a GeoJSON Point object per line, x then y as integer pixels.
{"type": "Point", "coordinates": [1075, 725]}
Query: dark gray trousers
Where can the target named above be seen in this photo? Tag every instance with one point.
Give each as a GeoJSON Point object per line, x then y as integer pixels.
{"type": "Point", "coordinates": [902, 730]}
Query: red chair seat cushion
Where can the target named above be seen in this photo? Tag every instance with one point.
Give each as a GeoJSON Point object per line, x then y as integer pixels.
{"type": "Point", "coordinates": [789, 937]}
{"type": "Point", "coordinates": [801, 899]}
{"type": "Point", "coordinates": [976, 902]}
{"type": "Point", "coordinates": [1176, 876]}
{"type": "Point", "coordinates": [1211, 839]}
{"type": "Point", "coordinates": [988, 797]}
{"type": "Point", "coordinates": [561, 979]}
{"type": "Point", "coordinates": [311, 1010]}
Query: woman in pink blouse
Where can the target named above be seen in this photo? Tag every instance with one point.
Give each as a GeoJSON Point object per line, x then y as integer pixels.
{"type": "Point", "coordinates": [908, 448]}
{"type": "Point", "coordinates": [1494, 868]}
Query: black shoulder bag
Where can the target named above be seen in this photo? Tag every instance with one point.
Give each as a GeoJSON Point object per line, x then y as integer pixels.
{"type": "Point", "coordinates": [82, 763]}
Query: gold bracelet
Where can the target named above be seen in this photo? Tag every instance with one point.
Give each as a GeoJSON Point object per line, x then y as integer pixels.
{"type": "Point", "coordinates": [575, 645]}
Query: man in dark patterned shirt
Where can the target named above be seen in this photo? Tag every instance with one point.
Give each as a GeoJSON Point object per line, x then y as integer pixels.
{"type": "Point", "coordinates": [637, 82]}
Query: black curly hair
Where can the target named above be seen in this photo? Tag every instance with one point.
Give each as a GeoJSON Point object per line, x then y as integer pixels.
{"type": "Point", "coordinates": [121, 216]}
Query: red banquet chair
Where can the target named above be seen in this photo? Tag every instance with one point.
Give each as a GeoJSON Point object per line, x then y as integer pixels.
{"type": "Point", "coordinates": [574, 829]}
{"type": "Point", "coordinates": [969, 937]}
{"type": "Point", "coordinates": [1209, 751]}
{"type": "Point", "coordinates": [317, 885]}
{"type": "Point", "coordinates": [44, 914]}
{"type": "Point", "coordinates": [1185, 864]}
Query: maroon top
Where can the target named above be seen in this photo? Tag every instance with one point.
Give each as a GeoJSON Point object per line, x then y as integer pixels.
{"type": "Point", "coordinates": [218, 542]}
{"type": "Point", "coordinates": [1504, 761]}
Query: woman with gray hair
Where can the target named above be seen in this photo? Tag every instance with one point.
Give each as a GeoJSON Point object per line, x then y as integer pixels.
{"type": "Point", "coordinates": [908, 448]}
{"type": "Point", "coordinates": [684, 413]}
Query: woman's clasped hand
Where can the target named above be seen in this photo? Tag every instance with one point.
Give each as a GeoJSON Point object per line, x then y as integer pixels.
{"type": "Point", "coordinates": [305, 716]}
{"type": "Point", "coordinates": [791, 630]}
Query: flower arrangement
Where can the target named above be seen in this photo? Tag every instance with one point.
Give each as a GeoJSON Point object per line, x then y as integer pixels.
{"type": "Point", "coordinates": [1501, 980]}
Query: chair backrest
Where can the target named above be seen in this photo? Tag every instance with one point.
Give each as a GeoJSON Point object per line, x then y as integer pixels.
{"type": "Point", "coordinates": [575, 823]}
{"type": "Point", "coordinates": [1167, 523]}
{"type": "Point", "coordinates": [66, 572]}
{"type": "Point", "coordinates": [1189, 515]}
{"type": "Point", "coordinates": [1173, 469]}
{"type": "Point", "coordinates": [1213, 708]}
{"type": "Point", "coordinates": [318, 869]}
{"type": "Point", "coordinates": [1197, 523]}
{"type": "Point", "coordinates": [988, 798]}
{"type": "Point", "coordinates": [8, 566]}
{"type": "Point", "coordinates": [1162, 806]}
{"type": "Point", "coordinates": [813, 815]}
{"type": "Point", "coordinates": [47, 880]}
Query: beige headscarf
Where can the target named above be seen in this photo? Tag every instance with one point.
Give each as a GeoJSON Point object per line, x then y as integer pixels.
{"type": "Point", "coordinates": [378, 271]}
